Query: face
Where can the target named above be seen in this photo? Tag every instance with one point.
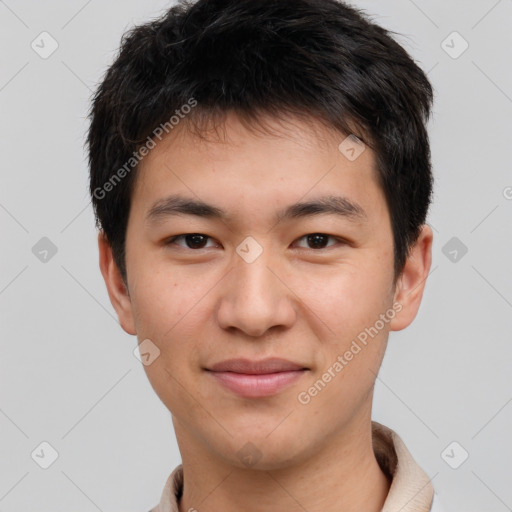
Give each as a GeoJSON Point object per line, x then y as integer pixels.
{"type": "Point", "coordinates": [302, 295]}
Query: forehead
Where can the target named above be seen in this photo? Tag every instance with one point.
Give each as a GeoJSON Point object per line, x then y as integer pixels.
{"type": "Point", "coordinates": [231, 132]}
{"type": "Point", "coordinates": [275, 162]}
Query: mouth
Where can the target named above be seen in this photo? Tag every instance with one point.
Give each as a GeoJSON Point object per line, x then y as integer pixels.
{"type": "Point", "coordinates": [254, 379]}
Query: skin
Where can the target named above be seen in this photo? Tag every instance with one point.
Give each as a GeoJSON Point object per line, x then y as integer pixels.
{"type": "Point", "coordinates": [295, 301]}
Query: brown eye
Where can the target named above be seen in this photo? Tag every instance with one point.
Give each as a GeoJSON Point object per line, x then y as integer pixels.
{"type": "Point", "coordinates": [317, 240]}
{"type": "Point", "coordinates": [192, 240]}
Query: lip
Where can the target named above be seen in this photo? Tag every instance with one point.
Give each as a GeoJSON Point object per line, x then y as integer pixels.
{"type": "Point", "coordinates": [264, 366]}
{"type": "Point", "coordinates": [253, 379]}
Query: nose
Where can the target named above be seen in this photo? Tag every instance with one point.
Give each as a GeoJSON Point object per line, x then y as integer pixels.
{"type": "Point", "coordinates": [255, 297]}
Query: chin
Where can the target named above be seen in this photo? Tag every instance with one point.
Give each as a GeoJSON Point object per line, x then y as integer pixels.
{"type": "Point", "coordinates": [263, 451]}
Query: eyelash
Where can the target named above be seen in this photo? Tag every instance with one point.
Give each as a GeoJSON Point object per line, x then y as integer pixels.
{"type": "Point", "coordinates": [172, 240]}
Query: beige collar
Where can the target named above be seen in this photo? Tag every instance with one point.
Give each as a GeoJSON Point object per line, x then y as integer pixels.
{"type": "Point", "coordinates": [410, 491]}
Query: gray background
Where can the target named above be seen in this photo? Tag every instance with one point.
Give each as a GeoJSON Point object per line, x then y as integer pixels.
{"type": "Point", "coordinates": [68, 375]}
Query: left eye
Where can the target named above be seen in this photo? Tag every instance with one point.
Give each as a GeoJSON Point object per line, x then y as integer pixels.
{"type": "Point", "coordinates": [318, 240]}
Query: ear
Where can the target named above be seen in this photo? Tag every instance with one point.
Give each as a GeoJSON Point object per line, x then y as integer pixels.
{"type": "Point", "coordinates": [117, 290]}
{"type": "Point", "coordinates": [411, 283]}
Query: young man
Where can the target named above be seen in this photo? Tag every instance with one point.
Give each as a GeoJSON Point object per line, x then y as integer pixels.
{"type": "Point", "coordinates": [260, 172]}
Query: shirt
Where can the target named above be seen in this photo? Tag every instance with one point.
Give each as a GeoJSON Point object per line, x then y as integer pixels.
{"type": "Point", "coordinates": [410, 490]}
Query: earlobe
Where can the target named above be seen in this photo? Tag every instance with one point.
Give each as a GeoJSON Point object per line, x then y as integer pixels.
{"type": "Point", "coordinates": [117, 291]}
{"type": "Point", "coordinates": [412, 281]}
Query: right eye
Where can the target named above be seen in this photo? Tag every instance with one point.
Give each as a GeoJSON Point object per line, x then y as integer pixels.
{"type": "Point", "coordinates": [192, 240]}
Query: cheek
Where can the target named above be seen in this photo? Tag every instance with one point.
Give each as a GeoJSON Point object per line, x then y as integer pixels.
{"type": "Point", "coordinates": [167, 312]}
{"type": "Point", "coordinates": [348, 300]}
{"type": "Point", "coordinates": [159, 304]}
{"type": "Point", "coordinates": [174, 311]}
{"type": "Point", "coordinates": [351, 303]}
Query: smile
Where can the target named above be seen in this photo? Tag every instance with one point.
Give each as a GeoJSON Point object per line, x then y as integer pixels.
{"type": "Point", "coordinates": [253, 379]}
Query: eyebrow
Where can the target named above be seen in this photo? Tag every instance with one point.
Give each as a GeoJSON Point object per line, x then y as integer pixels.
{"type": "Point", "coordinates": [326, 205]}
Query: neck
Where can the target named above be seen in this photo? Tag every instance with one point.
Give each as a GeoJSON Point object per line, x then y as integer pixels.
{"type": "Point", "coordinates": [342, 476]}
